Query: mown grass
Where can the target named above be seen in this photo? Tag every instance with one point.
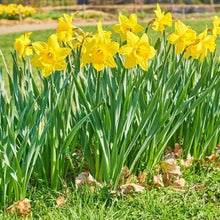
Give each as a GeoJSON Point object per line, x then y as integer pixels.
{"type": "Point", "coordinates": [200, 199]}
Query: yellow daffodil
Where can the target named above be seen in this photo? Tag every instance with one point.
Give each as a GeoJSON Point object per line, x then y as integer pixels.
{"type": "Point", "coordinates": [23, 45]}
{"type": "Point", "coordinates": [216, 24]}
{"type": "Point", "coordinates": [137, 51]}
{"type": "Point", "coordinates": [127, 25]}
{"type": "Point", "coordinates": [65, 29]}
{"type": "Point", "coordinates": [49, 56]}
{"type": "Point", "coordinates": [204, 43]}
{"type": "Point", "coordinates": [182, 37]}
{"type": "Point", "coordinates": [99, 50]}
{"type": "Point", "coordinates": [161, 20]}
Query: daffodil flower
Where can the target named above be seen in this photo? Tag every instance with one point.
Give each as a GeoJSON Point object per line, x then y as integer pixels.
{"type": "Point", "coordinates": [49, 56]}
{"type": "Point", "coordinates": [161, 20]}
{"type": "Point", "coordinates": [182, 37]}
{"type": "Point", "coordinates": [127, 25]}
{"type": "Point", "coordinates": [137, 51]}
{"type": "Point", "coordinates": [204, 43]}
{"type": "Point", "coordinates": [216, 24]}
{"type": "Point", "coordinates": [65, 29]}
{"type": "Point", "coordinates": [99, 50]}
{"type": "Point", "coordinates": [23, 45]}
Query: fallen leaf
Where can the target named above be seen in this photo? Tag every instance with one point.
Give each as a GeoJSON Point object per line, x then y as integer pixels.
{"type": "Point", "coordinates": [188, 162]}
{"type": "Point", "coordinates": [168, 178]}
{"type": "Point", "coordinates": [68, 192]}
{"type": "Point", "coordinates": [178, 150]}
{"type": "Point", "coordinates": [169, 154]}
{"type": "Point", "coordinates": [130, 188]}
{"type": "Point", "coordinates": [217, 149]}
{"type": "Point", "coordinates": [86, 178]}
{"type": "Point", "coordinates": [61, 201]}
{"type": "Point", "coordinates": [175, 171]}
{"type": "Point", "coordinates": [158, 181]}
{"type": "Point", "coordinates": [142, 176]}
{"type": "Point", "coordinates": [170, 164]}
{"type": "Point", "coordinates": [21, 207]}
{"type": "Point", "coordinates": [212, 158]}
{"type": "Point", "coordinates": [132, 179]}
{"type": "Point", "coordinates": [179, 183]}
{"type": "Point", "coordinates": [124, 173]}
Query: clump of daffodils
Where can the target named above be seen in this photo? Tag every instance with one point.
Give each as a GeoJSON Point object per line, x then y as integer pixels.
{"type": "Point", "coordinates": [100, 50]}
{"type": "Point", "coordinates": [12, 11]}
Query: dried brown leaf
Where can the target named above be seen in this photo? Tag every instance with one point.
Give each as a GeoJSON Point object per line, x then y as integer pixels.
{"type": "Point", "coordinates": [124, 173]}
{"type": "Point", "coordinates": [142, 176]}
{"type": "Point", "coordinates": [158, 181]}
{"type": "Point", "coordinates": [169, 154]}
{"type": "Point", "coordinates": [217, 149]}
{"type": "Point", "coordinates": [178, 150]}
{"type": "Point", "coordinates": [61, 201]}
{"type": "Point", "coordinates": [188, 162]}
{"type": "Point", "coordinates": [169, 164]}
{"type": "Point", "coordinates": [132, 179]}
{"type": "Point", "coordinates": [179, 183]}
{"type": "Point", "coordinates": [86, 178]}
{"type": "Point", "coordinates": [20, 208]}
{"type": "Point", "coordinates": [68, 192]}
{"type": "Point", "coordinates": [175, 171]}
{"type": "Point", "coordinates": [212, 158]}
{"type": "Point", "coordinates": [130, 188]}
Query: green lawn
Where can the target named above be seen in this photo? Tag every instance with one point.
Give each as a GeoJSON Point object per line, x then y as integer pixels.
{"type": "Point", "coordinates": [200, 199]}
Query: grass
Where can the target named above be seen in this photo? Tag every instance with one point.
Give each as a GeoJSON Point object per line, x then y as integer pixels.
{"type": "Point", "coordinates": [200, 199]}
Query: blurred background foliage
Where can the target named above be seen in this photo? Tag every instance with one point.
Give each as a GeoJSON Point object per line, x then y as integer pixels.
{"type": "Point", "coordinates": [39, 3]}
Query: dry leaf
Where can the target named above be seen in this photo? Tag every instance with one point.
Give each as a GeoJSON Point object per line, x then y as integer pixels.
{"type": "Point", "coordinates": [175, 171]}
{"type": "Point", "coordinates": [86, 178]}
{"type": "Point", "coordinates": [188, 162]}
{"type": "Point", "coordinates": [217, 149]}
{"type": "Point", "coordinates": [132, 179]}
{"type": "Point", "coordinates": [61, 201]}
{"type": "Point", "coordinates": [124, 173]}
{"type": "Point", "coordinates": [168, 179]}
{"type": "Point", "coordinates": [170, 164]}
{"type": "Point", "coordinates": [130, 188]}
{"type": "Point", "coordinates": [169, 154]}
{"type": "Point", "coordinates": [68, 192]}
{"type": "Point", "coordinates": [21, 207]}
{"type": "Point", "coordinates": [212, 158]}
{"type": "Point", "coordinates": [158, 181]}
{"type": "Point", "coordinates": [142, 176]}
{"type": "Point", "coordinates": [178, 150]}
{"type": "Point", "coordinates": [179, 183]}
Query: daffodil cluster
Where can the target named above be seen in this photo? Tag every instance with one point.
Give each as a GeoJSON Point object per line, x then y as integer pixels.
{"type": "Point", "coordinates": [99, 49]}
{"type": "Point", "coordinates": [12, 11]}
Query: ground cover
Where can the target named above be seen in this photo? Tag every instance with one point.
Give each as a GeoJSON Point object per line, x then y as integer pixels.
{"type": "Point", "coordinates": [200, 198]}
